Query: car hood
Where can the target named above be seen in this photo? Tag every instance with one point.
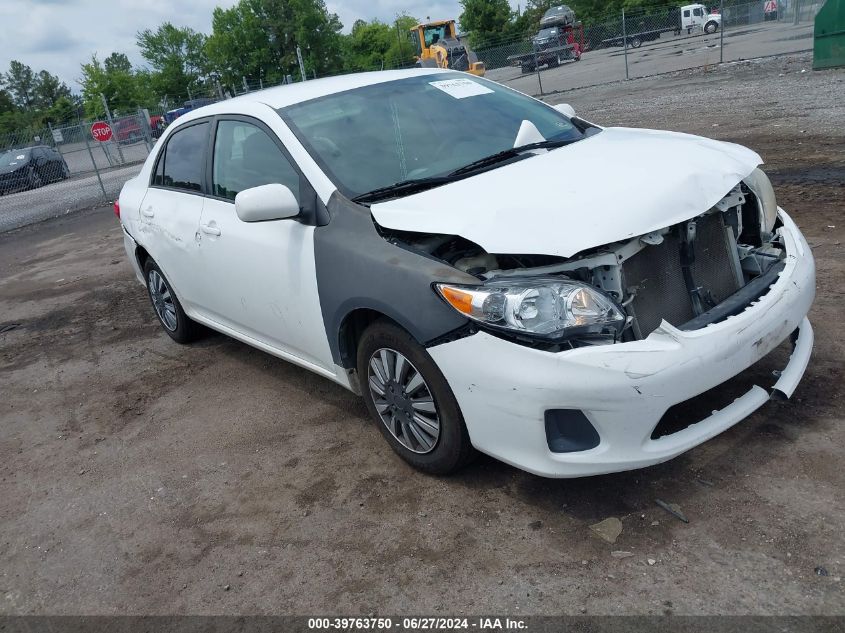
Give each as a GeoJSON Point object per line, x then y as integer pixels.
{"type": "Point", "coordinates": [8, 169]}
{"type": "Point", "coordinates": [611, 186]}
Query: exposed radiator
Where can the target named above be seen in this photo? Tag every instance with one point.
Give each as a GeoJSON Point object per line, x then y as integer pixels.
{"type": "Point", "coordinates": [655, 277]}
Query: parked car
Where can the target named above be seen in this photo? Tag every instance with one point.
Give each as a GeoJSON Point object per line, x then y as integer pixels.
{"type": "Point", "coordinates": [157, 125]}
{"type": "Point", "coordinates": [489, 272]}
{"type": "Point", "coordinates": [128, 130]}
{"type": "Point", "coordinates": [30, 168]}
{"type": "Point", "coordinates": [560, 15]}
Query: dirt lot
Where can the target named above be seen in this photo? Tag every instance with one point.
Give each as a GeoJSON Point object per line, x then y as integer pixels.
{"type": "Point", "coordinates": [138, 476]}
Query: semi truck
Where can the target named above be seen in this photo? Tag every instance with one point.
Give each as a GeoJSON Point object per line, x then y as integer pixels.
{"type": "Point", "coordinates": [689, 18]}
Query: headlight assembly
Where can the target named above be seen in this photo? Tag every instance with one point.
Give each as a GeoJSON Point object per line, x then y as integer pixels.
{"type": "Point", "coordinates": [761, 186]}
{"type": "Point", "coordinates": [543, 308]}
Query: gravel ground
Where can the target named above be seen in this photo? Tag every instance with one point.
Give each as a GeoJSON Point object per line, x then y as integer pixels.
{"type": "Point", "coordinates": [138, 476]}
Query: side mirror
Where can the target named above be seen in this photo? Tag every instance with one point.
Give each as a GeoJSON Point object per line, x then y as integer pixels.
{"type": "Point", "coordinates": [565, 108]}
{"type": "Point", "coordinates": [267, 202]}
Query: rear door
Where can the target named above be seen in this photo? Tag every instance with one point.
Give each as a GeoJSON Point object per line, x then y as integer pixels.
{"type": "Point", "coordinates": [172, 207]}
{"type": "Point", "coordinates": [260, 278]}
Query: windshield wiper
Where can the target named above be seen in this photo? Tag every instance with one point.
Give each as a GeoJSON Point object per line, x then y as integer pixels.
{"type": "Point", "coordinates": [507, 154]}
{"type": "Point", "coordinates": [403, 188]}
{"type": "Point", "coordinates": [408, 187]}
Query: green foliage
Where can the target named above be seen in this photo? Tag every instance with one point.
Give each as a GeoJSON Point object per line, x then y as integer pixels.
{"type": "Point", "coordinates": [123, 87]}
{"type": "Point", "coordinates": [48, 90]}
{"type": "Point", "coordinates": [177, 57]}
{"type": "Point", "coordinates": [376, 45]}
{"type": "Point", "coordinates": [485, 20]}
{"type": "Point", "coordinates": [257, 39]}
{"type": "Point", "coordinates": [28, 100]}
{"type": "Point", "coordinates": [20, 82]}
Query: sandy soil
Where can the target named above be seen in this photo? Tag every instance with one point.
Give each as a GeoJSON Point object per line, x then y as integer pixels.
{"type": "Point", "coordinates": [139, 476]}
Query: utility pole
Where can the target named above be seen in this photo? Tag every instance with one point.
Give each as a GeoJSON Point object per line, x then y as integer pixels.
{"type": "Point", "coordinates": [401, 50]}
{"type": "Point", "coordinates": [301, 63]}
{"type": "Point", "coordinates": [625, 42]}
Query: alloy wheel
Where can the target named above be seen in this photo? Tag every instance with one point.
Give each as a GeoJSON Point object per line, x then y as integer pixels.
{"type": "Point", "coordinates": [162, 300]}
{"type": "Point", "coordinates": [403, 400]}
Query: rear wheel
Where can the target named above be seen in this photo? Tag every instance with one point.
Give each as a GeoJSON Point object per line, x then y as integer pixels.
{"type": "Point", "coordinates": [167, 307]}
{"type": "Point", "coordinates": [636, 42]}
{"type": "Point", "coordinates": [35, 180]}
{"type": "Point", "coordinates": [410, 400]}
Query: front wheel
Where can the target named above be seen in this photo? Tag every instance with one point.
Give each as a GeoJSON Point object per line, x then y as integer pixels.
{"type": "Point", "coordinates": [710, 27]}
{"type": "Point", "coordinates": [410, 400]}
{"type": "Point", "coordinates": [35, 180]}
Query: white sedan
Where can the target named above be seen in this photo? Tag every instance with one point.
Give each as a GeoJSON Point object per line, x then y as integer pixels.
{"type": "Point", "coordinates": [489, 272]}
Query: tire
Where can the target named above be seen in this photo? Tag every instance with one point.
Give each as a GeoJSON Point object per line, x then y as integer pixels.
{"type": "Point", "coordinates": [420, 401]}
{"type": "Point", "coordinates": [710, 28]}
{"type": "Point", "coordinates": [35, 179]}
{"type": "Point", "coordinates": [636, 42]}
{"type": "Point", "coordinates": [167, 307]}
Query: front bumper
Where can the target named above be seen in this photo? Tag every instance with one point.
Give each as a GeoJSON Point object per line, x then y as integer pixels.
{"type": "Point", "coordinates": [15, 181]}
{"type": "Point", "coordinates": [504, 389]}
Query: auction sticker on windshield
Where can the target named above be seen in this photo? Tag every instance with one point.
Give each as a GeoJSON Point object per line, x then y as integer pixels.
{"type": "Point", "coordinates": [460, 88]}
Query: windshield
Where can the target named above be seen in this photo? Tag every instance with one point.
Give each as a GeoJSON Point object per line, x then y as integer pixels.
{"type": "Point", "coordinates": [415, 128]}
{"type": "Point", "coordinates": [434, 34]}
{"type": "Point", "coordinates": [544, 33]}
{"type": "Point", "coordinates": [15, 157]}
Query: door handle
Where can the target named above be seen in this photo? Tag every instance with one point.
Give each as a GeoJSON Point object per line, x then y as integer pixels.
{"type": "Point", "coordinates": [209, 229]}
{"type": "Point", "coordinates": [148, 212]}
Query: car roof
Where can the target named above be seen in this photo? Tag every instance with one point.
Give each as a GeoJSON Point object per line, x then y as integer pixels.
{"type": "Point", "coordinates": [283, 96]}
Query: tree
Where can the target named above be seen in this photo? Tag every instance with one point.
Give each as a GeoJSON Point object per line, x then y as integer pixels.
{"type": "Point", "coordinates": [177, 57]}
{"type": "Point", "coordinates": [124, 88]}
{"type": "Point", "coordinates": [117, 63]}
{"type": "Point", "coordinates": [258, 39]}
{"type": "Point", "coordinates": [375, 45]}
{"type": "Point", "coordinates": [21, 83]}
{"type": "Point", "coordinates": [485, 20]}
{"type": "Point", "coordinates": [47, 90]}
{"type": "Point", "coordinates": [239, 47]}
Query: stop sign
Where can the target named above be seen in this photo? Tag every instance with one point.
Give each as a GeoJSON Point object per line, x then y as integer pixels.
{"type": "Point", "coordinates": [101, 131]}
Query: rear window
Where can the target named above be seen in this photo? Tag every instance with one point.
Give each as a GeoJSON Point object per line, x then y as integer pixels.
{"type": "Point", "coordinates": [183, 164]}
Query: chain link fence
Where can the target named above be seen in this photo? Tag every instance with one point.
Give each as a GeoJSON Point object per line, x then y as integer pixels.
{"type": "Point", "coordinates": [49, 171]}
{"type": "Point", "coordinates": [642, 44]}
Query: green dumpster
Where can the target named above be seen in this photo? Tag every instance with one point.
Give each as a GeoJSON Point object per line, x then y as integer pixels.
{"type": "Point", "coordinates": [829, 36]}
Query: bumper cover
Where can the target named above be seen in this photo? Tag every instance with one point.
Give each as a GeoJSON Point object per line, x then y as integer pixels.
{"type": "Point", "coordinates": [624, 389]}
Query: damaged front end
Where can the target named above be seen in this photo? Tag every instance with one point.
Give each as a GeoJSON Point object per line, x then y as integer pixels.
{"type": "Point", "coordinates": [700, 271]}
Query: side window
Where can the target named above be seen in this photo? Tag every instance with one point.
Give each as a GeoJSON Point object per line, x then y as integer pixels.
{"type": "Point", "coordinates": [158, 177]}
{"type": "Point", "coordinates": [696, 12]}
{"type": "Point", "coordinates": [244, 157]}
{"type": "Point", "coordinates": [183, 164]}
{"type": "Point", "coordinates": [686, 13]}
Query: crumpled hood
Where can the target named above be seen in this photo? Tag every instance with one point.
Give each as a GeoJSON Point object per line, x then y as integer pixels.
{"type": "Point", "coordinates": [611, 186]}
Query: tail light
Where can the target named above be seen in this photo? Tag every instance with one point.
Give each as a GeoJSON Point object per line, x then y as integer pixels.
{"type": "Point", "coordinates": [117, 209]}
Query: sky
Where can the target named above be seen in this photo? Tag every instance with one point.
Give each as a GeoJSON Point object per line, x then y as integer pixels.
{"type": "Point", "coordinates": [59, 35]}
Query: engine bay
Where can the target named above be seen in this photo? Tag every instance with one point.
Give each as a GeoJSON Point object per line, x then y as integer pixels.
{"type": "Point", "coordinates": [684, 274]}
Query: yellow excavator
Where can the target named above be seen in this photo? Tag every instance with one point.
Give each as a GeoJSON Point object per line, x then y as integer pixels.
{"type": "Point", "coordinates": [438, 46]}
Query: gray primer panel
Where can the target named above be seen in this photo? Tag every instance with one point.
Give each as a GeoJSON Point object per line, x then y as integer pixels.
{"type": "Point", "coordinates": [358, 268]}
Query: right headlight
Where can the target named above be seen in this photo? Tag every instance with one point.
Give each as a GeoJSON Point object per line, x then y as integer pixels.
{"type": "Point", "coordinates": [761, 187]}
{"type": "Point", "coordinates": [544, 308]}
